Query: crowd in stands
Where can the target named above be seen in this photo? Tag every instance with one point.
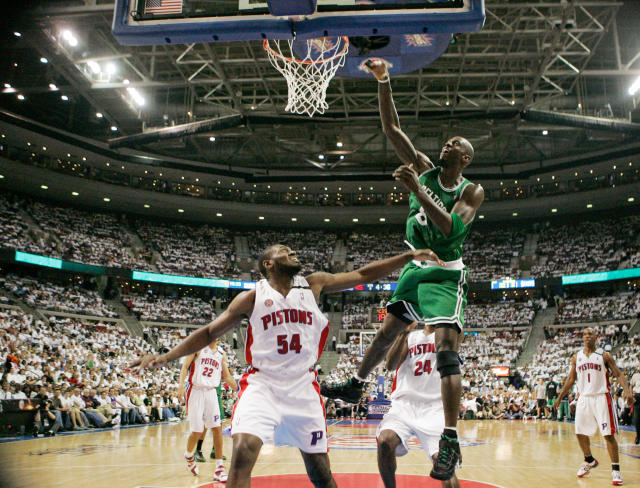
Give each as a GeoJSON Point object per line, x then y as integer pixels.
{"type": "Point", "coordinates": [594, 309]}
{"type": "Point", "coordinates": [75, 373]}
{"type": "Point", "coordinates": [585, 247]}
{"type": "Point", "coordinates": [313, 248]}
{"type": "Point", "coordinates": [365, 247]}
{"type": "Point", "coordinates": [508, 313]}
{"type": "Point", "coordinates": [194, 250]}
{"type": "Point", "coordinates": [15, 231]}
{"type": "Point", "coordinates": [152, 308]}
{"type": "Point", "coordinates": [488, 254]}
{"type": "Point", "coordinates": [52, 296]}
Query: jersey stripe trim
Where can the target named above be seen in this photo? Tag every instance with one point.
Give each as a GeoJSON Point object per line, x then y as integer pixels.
{"type": "Point", "coordinates": [612, 417]}
{"type": "Point", "coordinates": [316, 386]}
{"type": "Point", "coordinates": [247, 345]}
{"type": "Point", "coordinates": [323, 340]}
{"type": "Point", "coordinates": [242, 386]}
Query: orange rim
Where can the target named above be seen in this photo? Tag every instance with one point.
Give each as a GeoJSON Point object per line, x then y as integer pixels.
{"type": "Point", "coordinates": [268, 48]}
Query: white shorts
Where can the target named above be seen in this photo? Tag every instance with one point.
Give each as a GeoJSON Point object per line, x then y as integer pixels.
{"type": "Point", "coordinates": [595, 412]}
{"type": "Point", "coordinates": [281, 413]}
{"type": "Point", "coordinates": [408, 419]}
{"type": "Point", "coordinates": [202, 408]}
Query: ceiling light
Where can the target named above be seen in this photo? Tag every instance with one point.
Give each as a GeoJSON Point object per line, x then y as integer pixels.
{"type": "Point", "coordinates": [84, 158]}
{"type": "Point", "coordinates": [218, 214]}
{"type": "Point", "coordinates": [75, 193]}
{"type": "Point", "coordinates": [515, 214]}
{"type": "Point", "coordinates": [481, 216]}
{"type": "Point", "coordinates": [7, 85]}
{"type": "Point", "coordinates": [68, 36]}
{"type": "Point", "coordinates": [99, 115]}
{"type": "Point", "coordinates": [1, 177]}
{"type": "Point", "coordinates": [111, 68]}
{"type": "Point", "coordinates": [339, 144]}
{"type": "Point", "coordinates": [382, 219]}
{"type": "Point", "coordinates": [64, 98]}
{"type": "Point", "coordinates": [44, 187]}
{"type": "Point", "coordinates": [180, 210]}
{"type": "Point", "coordinates": [355, 220]}
{"type": "Point", "coordinates": [635, 86]}
{"type": "Point", "coordinates": [114, 128]}
{"type": "Point", "coordinates": [512, 102]}
{"type": "Point", "coordinates": [17, 34]}
{"type": "Point", "coordinates": [261, 217]}
{"type": "Point", "coordinates": [327, 220]}
{"type": "Point", "coordinates": [212, 139]}
{"type": "Point", "coordinates": [107, 199]}
{"type": "Point", "coordinates": [44, 60]}
{"type": "Point", "coordinates": [21, 97]}
{"type": "Point", "coordinates": [554, 210]}
{"type": "Point", "coordinates": [137, 97]}
{"type": "Point", "coordinates": [630, 199]}
{"type": "Point", "coordinates": [52, 86]}
{"type": "Point", "coordinates": [589, 205]}
{"type": "Point", "coordinates": [253, 107]}
{"type": "Point", "coordinates": [146, 205]}
{"type": "Point", "coordinates": [126, 82]}
{"type": "Point", "coordinates": [44, 148]}
{"type": "Point", "coordinates": [320, 157]}
{"type": "Point", "coordinates": [341, 157]}
{"type": "Point", "coordinates": [545, 132]}
{"type": "Point", "coordinates": [293, 219]}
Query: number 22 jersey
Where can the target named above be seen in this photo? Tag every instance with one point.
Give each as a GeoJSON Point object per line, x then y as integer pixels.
{"type": "Point", "coordinates": [286, 335]}
{"type": "Point", "coordinates": [417, 378]}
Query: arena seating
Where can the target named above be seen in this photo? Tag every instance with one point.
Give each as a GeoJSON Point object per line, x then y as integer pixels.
{"type": "Point", "coordinates": [594, 309]}
{"type": "Point", "coordinates": [189, 310]}
{"type": "Point", "coordinates": [501, 314]}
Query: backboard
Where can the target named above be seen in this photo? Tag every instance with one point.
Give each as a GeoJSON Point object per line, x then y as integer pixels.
{"type": "Point", "coordinates": [147, 22]}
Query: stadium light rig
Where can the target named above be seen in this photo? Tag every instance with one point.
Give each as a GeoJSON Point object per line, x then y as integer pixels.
{"type": "Point", "coordinates": [635, 87]}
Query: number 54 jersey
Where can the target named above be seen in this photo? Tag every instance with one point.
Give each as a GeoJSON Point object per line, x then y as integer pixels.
{"type": "Point", "coordinates": [286, 335]}
{"type": "Point", "coordinates": [417, 379]}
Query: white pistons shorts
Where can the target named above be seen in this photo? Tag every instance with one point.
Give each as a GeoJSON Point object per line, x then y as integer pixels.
{"type": "Point", "coordinates": [283, 413]}
{"type": "Point", "coordinates": [595, 412]}
{"type": "Point", "coordinates": [202, 408]}
{"type": "Point", "coordinates": [408, 419]}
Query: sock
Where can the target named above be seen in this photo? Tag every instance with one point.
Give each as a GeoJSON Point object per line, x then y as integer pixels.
{"type": "Point", "coordinates": [188, 454]}
{"type": "Point", "coordinates": [589, 459]}
{"type": "Point", "coordinates": [451, 432]}
{"type": "Point", "coordinates": [219, 463]}
{"type": "Point", "coordinates": [199, 448]}
{"type": "Point", "coordinates": [615, 467]}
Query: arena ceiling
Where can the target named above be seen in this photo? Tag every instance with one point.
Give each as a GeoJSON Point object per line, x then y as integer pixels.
{"type": "Point", "coordinates": [577, 57]}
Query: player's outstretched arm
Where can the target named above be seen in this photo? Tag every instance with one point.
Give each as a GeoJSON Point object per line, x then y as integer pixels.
{"type": "Point", "coordinates": [399, 349]}
{"type": "Point", "coordinates": [183, 375]}
{"type": "Point", "coordinates": [391, 122]}
{"type": "Point", "coordinates": [240, 307]}
{"type": "Point", "coordinates": [226, 375]}
{"type": "Point", "coordinates": [329, 283]}
{"type": "Point", "coordinates": [571, 379]}
{"type": "Point", "coordinates": [627, 392]}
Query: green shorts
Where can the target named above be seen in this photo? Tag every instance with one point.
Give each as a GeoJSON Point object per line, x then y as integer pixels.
{"type": "Point", "coordinates": [220, 405]}
{"type": "Point", "coordinates": [431, 295]}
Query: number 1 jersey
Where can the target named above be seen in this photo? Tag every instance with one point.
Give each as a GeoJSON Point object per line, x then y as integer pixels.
{"type": "Point", "coordinates": [286, 335]}
{"type": "Point", "coordinates": [417, 378]}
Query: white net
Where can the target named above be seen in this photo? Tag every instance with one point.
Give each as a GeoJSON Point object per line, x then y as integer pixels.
{"type": "Point", "coordinates": [307, 76]}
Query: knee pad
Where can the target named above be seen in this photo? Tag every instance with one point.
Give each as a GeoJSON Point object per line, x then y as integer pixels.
{"type": "Point", "coordinates": [447, 363]}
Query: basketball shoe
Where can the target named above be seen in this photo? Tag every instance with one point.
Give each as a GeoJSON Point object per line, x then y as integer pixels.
{"type": "Point", "coordinates": [220, 474]}
{"type": "Point", "coordinates": [349, 391]}
{"type": "Point", "coordinates": [616, 478]}
{"type": "Point", "coordinates": [444, 466]}
{"type": "Point", "coordinates": [586, 467]}
{"type": "Point", "coordinates": [191, 464]}
{"type": "Point", "coordinates": [199, 457]}
{"type": "Point", "coordinates": [213, 455]}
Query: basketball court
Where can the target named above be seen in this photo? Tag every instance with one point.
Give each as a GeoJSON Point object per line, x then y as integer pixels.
{"type": "Point", "coordinates": [505, 454]}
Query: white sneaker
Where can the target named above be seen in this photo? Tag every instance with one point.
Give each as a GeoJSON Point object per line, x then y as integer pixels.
{"type": "Point", "coordinates": [221, 475]}
{"type": "Point", "coordinates": [191, 465]}
{"type": "Point", "coordinates": [616, 478]}
{"type": "Point", "coordinates": [585, 469]}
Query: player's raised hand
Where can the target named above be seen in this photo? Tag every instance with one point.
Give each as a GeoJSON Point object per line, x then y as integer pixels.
{"type": "Point", "coordinates": [149, 361]}
{"type": "Point", "coordinates": [377, 68]}
{"type": "Point", "coordinates": [408, 177]}
{"type": "Point", "coordinates": [427, 255]}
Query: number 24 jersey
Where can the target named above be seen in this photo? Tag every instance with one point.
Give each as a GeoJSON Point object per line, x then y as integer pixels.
{"type": "Point", "coordinates": [417, 378]}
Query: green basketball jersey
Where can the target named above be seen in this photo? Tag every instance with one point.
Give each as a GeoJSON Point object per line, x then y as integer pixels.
{"type": "Point", "coordinates": [421, 231]}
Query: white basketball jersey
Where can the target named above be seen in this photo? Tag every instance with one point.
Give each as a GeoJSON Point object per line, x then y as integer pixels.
{"type": "Point", "coordinates": [286, 335]}
{"type": "Point", "coordinates": [206, 369]}
{"type": "Point", "coordinates": [592, 374]}
{"type": "Point", "coordinates": [417, 378]}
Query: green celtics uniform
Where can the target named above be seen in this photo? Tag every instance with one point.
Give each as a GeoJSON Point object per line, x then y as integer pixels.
{"type": "Point", "coordinates": [427, 292]}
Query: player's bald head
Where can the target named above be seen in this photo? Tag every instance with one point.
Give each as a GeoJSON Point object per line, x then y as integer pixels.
{"type": "Point", "coordinates": [467, 148]}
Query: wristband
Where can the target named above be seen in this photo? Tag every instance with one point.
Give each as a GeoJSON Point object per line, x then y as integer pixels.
{"type": "Point", "coordinates": [386, 79]}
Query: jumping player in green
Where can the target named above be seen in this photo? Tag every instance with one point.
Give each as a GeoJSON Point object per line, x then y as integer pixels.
{"type": "Point", "coordinates": [442, 207]}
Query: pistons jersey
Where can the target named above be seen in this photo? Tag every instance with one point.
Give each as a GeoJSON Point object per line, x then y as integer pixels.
{"type": "Point", "coordinates": [206, 369]}
{"type": "Point", "coordinates": [592, 374]}
{"type": "Point", "coordinates": [286, 335]}
{"type": "Point", "coordinates": [417, 378]}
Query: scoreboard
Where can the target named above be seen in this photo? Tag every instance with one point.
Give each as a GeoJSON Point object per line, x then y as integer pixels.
{"type": "Point", "coordinates": [378, 315]}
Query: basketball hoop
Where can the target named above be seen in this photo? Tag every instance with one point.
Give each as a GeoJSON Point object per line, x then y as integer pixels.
{"type": "Point", "coordinates": [307, 77]}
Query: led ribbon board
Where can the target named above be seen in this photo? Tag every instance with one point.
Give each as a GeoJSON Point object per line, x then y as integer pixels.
{"type": "Point", "coordinates": [510, 284]}
{"type": "Point", "coordinates": [619, 274]}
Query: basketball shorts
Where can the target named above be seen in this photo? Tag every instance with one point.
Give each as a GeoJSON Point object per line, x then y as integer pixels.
{"type": "Point", "coordinates": [284, 413]}
{"type": "Point", "coordinates": [431, 295]}
{"type": "Point", "coordinates": [202, 409]}
{"type": "Point", "coordinates": [409, 418]}
{"type": "Point", "coordinates": [595, 412]}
